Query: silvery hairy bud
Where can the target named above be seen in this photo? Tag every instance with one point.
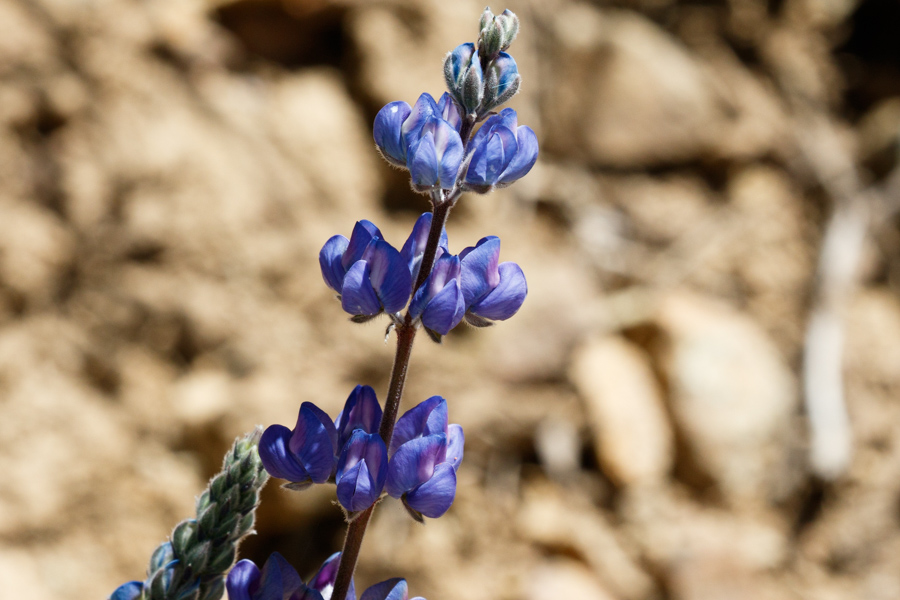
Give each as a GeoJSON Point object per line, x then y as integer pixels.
{"type": "Point", "coordinates": [496, 32]}
{"type": "Point", "coordinates": [465, 80]}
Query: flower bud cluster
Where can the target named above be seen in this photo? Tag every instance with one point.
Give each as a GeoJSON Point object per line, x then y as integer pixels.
{"type": "Point", "coordinates": [473, 286]}
{"type": "Point", "coordinates": [482, 77]}
{"type": "Point", "coordinates": [431, 139]}
{"type": "Point", "coordinates": [425, 453]}
{"type": "Point", "coordinates": [278, 580]}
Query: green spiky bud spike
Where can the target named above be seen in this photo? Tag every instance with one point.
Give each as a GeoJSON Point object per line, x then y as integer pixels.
{"type": "Point", "coordinates": [193, 564]}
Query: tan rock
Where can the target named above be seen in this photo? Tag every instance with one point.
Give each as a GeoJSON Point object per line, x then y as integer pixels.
{"type": "Point", "coordinates": [563, 578]}
{"type": "Point", "coordinates": [632, 436]}
{"type": "Point", "coordinates": [549, 517]}
{"type": "Point", "coordinates": [731, 394]}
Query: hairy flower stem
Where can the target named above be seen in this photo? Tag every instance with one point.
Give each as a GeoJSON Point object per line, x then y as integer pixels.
{"type": "Point", "coordinates": [406, 335]}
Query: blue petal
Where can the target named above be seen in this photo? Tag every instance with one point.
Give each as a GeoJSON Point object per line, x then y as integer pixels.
{"type": "Point", "coordinates": [414, 462]}
{"type": "Point", "coordinates": [314, 442]}
{"type": "Point", "coordinates": [356, 490]}
{"type": "Point", "coordinates": [389, 276]}
{"type": "Point", "coordinates": [132, 591]}
{"type": "Point", "coordinates": [456, 441]}
{"type": "Point", "coordinates": [412, 127]}
{"type": "Point", "coordinates": [426, 418]}
{"type": "Point", "coordinates": [277, 458]}
{"type": "Point", "coordinates": [505, 299]}
{"type": "Point", "coordinates": [445, 310]}
{"type": "Point", "coordinates": [363, 233]}
{"type": "Point", "coordinates": [278, 579]}
{"type": "Point", "coordinates": [368, 447]}
{"type": "Point", "coordinates": [423, 161]}
{"type": "Point", "coordinates": [479, 272]}
{"type": "Point", "coordinates": [392, 589]}
{"type": "Point", "coordinates": [506, 69]}
{"type": "Point", "coordinates": [448, 111]}
{"type": "Point", "coordinates": [449, 148]}
{"type": "Point", "coordinates": [414, 248]}
{"type": "Point", "coordinates": [361, 411]}
{"type": "Point", "coordinates": [461, 57]}
{"type": "Point", "coordinates": [491, 156]}
{"type": "Point", "coordinates": [242, 581]}
{"type": "Point", "coordinates": [387, 132]}
{"type": "Point", "coordinates": [323, 581]}
{"type": "Point", "coordinates": [434, 497]}
{"type": "Point", "coordinates": [330, 261]}
{"type": "Point", "coordinates": [358, 297]}
{"type": "Point", "coordinates": [526, 156]}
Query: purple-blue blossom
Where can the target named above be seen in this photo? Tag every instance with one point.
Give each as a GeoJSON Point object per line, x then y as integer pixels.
{"type": "Point", "coordinates": [278, 580]}
{"type": "Point", "coordinates": [439, 301]}
{"type": "Point", "coordinates": [492, 291]}
{"type": "Point", "coordinates": [398, 129]}
{"type": "Point", "coordinates": [435, 157]}
{"type": "Point", "coordinates": [304, 455]}
{"type": "Point", "coordinates": [426, 451]}
{"type": "Point", "coordinates": [367, 272]}
{"type": "Point", "coordinates": [392, 589]}
{"type": "Point", "coordinates": [501, 152]}
{"type": "Point", "coordinates": [361, 471]}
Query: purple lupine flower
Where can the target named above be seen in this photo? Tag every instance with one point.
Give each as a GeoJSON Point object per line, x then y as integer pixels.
{"type": "Point", "coordinates": [435, 157]}
{"type": "Point", "coordinates": [492, 291]}
{"type": "Point", "coordinates": [426, 451]}
{"type": "Point", "coordinates": [128, 591]}
{"type": "Point", "coordinates": [361, 411]}
{"type": "Point", "coordinates": [439, 301]}
{"type": "Point", "coordinates": [392, 589]}
{"type": "Point", "coordinates": [361, 471]}
{"type": "Point", "coordinates": [414, 248]}
{"type": "Point", "coordinates": [278, 580]}
{"type": "Point", "coordinates": [501, 152]}
{"type": "Point", "coordinates": [305, 455]}
{"type": "Point", "coordinates": [368, 273]}
{"type": "Point", "coordinates": [398, 126]}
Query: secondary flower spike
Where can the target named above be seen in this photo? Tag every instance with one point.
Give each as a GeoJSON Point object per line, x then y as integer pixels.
{"type": "Point", "coordinates": [278, 580]}
{"type": "Point", "coordinates": [502, 152]}
{"type": "Point", "coordinates": [368, 273]}
{"type": "Point", "coordinates": [425, 453]}
{"type": "Point", "coordinates": [305, 455]}
{"type": "Point", "coordinates": [492, 291]}
{"type": "Point", "coordinates": [361, 471]}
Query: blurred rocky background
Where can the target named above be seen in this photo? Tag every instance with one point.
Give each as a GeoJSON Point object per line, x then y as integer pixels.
{"type": "Point", "coordinates": [700, 399]}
